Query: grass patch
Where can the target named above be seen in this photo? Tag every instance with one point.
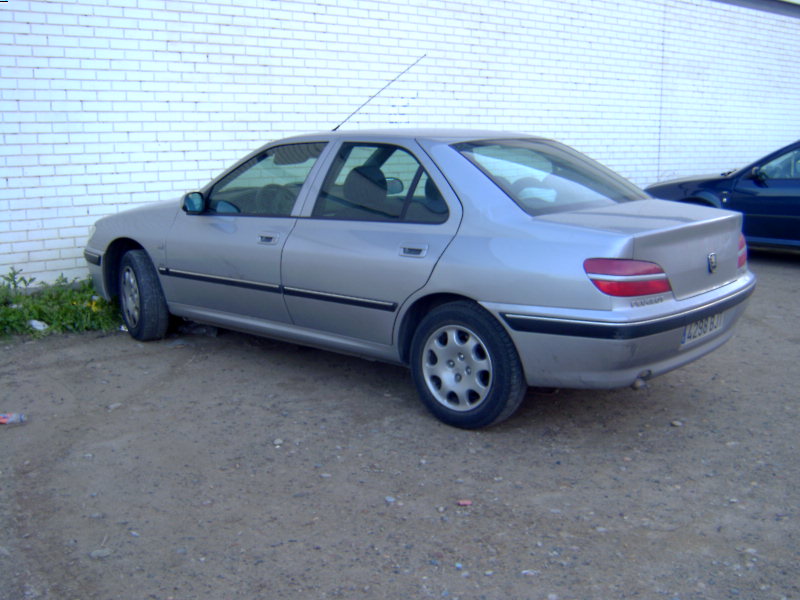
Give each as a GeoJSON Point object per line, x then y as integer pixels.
{"type": "Point", "coordinates": [64, 306]}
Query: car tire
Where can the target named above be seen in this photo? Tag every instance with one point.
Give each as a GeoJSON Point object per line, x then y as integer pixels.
{"type": "Point", "coordinates": [141, 299]}
{"type": "Point", "coordinates": [465, 366]}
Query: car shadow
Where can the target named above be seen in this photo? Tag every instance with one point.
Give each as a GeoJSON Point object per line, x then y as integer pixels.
{"type": "Point", "coordinates": [364, 391]}
{"type": "Point", "coordinates": [777, 256]}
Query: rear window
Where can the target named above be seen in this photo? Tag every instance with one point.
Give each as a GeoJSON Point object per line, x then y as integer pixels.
{"type": "Point", "coordinates": [545, 177]}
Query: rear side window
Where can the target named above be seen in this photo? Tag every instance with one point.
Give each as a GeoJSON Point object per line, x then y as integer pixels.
{"type": "Point", "coordinates": [546, 177]}
{"type": "Point", "coordinates": [267, 184]}
{"type": "Point", "coordinates": [379, 182]}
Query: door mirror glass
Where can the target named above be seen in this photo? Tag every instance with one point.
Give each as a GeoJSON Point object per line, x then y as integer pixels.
{"type": "Point", "coordinates": [394, 186]}
{"type": "Point", "coordinates": [194, 203]}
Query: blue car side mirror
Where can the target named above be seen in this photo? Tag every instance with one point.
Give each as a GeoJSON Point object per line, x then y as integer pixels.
{"type": "Point", "coordinates": [758, 175]}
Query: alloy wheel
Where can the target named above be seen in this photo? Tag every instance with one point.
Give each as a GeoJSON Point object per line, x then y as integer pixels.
{"type": "Point", "coordinates": [457, 368]}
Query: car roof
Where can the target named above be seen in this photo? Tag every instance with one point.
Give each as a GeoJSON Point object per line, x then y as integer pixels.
{"type": "Point", "coordinates": [449, 136]}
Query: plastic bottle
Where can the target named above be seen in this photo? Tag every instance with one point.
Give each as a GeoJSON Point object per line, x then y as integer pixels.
{"type": "Point", "coordinates": [12, 418]}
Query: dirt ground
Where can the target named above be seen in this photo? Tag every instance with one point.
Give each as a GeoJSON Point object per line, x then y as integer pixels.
{"type": "Point", "coordinates": [232, 467]}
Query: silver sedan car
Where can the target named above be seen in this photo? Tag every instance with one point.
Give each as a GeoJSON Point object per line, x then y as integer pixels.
{"type": "Point", "coordinates": [486, 262]}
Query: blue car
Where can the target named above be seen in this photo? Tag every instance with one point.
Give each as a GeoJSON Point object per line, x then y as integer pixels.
{"type": "Point", "coordinates": [766, 192]}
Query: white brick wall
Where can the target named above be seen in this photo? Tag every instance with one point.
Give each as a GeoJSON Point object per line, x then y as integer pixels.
{"type": "Point", "coordinates": [110, 103]}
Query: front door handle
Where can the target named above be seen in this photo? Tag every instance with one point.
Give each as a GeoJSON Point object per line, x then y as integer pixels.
{"type": "Point", "coordinates": [413, 251]}
{"type": "Point", "coordinates": [268, 238]}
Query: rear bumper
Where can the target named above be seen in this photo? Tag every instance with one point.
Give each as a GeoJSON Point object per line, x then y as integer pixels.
{"type": "Point", "coordinates": [577, 352]}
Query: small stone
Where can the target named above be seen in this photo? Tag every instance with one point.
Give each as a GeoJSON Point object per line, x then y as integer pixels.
{"type": "Point", "coordinates": [325, 475]}
{"type": "Point", "coordinates": [100, 553]}
{"type": "Point", "coordinates": [529, 573]}
{"type": "Point", "coordinates": [277, 442]}
{"type": "Point", "coordinates": [114, 406]}
{"type": "Point", "coordinates": [677, 423]}
{"type": "Point", "coordinates": [390, 499]}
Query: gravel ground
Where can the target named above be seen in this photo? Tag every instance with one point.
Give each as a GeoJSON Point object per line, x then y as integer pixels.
{"type": "Point", "coordinates": [231, 467]}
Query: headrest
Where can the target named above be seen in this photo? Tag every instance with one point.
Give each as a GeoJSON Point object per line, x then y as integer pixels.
{"type": "Point", "coordinates": [365, 185]}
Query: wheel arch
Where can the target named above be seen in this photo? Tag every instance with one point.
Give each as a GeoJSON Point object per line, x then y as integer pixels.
{"type": "Point", "coordinates": [414, 315]}
{"type": "Point", "coordinates": [111, 261]}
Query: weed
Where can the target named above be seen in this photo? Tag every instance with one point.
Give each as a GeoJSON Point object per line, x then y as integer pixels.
{"type": "Point", "coordinates": [65, 306]}
{"type": "Point", "coordinates": [14, 281]}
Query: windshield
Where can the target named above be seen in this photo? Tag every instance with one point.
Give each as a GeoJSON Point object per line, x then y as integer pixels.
{"type": "Point", "coordinates": [545, 177]}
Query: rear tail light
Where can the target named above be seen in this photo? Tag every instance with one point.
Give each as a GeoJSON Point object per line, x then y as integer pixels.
{"type": "Point", "coordinates": [742, 260]}
{"type": "Point", "coordinates": [623, 277]}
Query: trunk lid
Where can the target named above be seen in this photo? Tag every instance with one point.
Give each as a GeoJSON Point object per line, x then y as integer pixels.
{"type": "Point", "coordinates": [697, 246]}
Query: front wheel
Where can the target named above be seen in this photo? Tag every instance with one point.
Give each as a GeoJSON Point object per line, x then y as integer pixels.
{"type": "Point", "coordinates": [141, 299]}
{"type": "Point", "coordinates": [465, 367]}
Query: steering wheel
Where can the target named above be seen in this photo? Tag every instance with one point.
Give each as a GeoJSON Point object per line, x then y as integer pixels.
{"type": "Point", "coordinates": [275, 199]}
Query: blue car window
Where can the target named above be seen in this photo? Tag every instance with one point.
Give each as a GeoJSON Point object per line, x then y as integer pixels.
{"type": "Point", "coordinates": [786, 166]}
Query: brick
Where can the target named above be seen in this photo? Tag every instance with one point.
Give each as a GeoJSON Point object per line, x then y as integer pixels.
{"type": "Point", "coordinates": [154, 93]}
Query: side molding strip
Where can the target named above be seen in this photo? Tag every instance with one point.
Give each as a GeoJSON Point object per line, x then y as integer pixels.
{"type": "Point", "coordinates": [242, 283]}
{"type": "Point", "coordinates": [278, 289]}
{"type": "Point", "coordinates": [340, 299]}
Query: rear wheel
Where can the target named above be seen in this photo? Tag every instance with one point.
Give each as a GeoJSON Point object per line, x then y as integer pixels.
{"type": "Point", "coordinates": [465, 367]}
{"type": "Point", "coordinates": [141, 299]}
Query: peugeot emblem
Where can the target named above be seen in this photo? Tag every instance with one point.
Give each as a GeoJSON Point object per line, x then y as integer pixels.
{"type": "Point", "coordinates": [712, 262]}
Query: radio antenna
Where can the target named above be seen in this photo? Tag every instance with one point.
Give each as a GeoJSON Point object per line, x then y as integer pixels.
{"type": "Point", "coordinates": [406, 70]}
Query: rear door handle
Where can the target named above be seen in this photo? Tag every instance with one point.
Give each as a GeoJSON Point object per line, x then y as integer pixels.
{"type": "Point", "coordinates": [413, 251]}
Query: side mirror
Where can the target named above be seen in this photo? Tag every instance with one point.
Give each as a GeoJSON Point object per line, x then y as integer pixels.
{"type": "Point", "coordinates": [758, 175]}
{"type": "Point", "coordinates": [194, 203]}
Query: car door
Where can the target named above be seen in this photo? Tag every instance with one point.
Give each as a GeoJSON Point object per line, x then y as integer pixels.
{"type": "Point", "coordinates": [226, 258]}
{"type": "Point", "coordinates": [375, 232]}
{"type": "Point", "coordinates": [769, 198]}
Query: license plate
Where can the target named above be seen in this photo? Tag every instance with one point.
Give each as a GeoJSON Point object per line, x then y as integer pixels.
{"type": "Point", "coordinates": [701, 328]}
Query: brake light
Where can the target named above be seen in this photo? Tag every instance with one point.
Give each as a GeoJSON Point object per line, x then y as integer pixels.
{"type": "Point", "coordinates": [624, 277]}
{"type": "Point", "coordinates": [742, 256]}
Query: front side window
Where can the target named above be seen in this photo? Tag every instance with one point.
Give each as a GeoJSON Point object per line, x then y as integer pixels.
{"type": "Point", "coordinates": [267, 184]}
{"type": "Point", "coordinates": [545, 177]}
{"type": "Point", "coordinates": [379, 182]}
{"type": "Point", "coordinates": [786, 166]}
